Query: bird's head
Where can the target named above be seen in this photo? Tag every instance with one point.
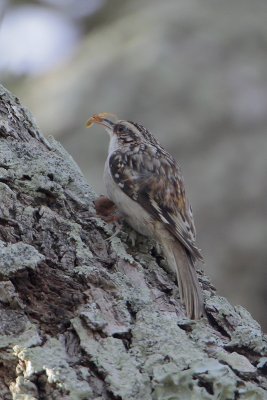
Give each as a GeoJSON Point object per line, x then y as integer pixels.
{"type": "Point", "coordinates": [125, 131]}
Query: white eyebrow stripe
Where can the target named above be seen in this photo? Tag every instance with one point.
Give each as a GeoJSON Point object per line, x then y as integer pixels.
{"type": "Point", "coordinates": [129, 126]}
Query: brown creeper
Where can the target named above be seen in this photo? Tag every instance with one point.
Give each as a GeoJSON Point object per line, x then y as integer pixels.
{"type": "Point", "coordinates": [147, 186]}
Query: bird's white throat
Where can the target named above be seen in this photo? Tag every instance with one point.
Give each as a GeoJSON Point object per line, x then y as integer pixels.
{"type": "Point", "coordinates": [113, 144]}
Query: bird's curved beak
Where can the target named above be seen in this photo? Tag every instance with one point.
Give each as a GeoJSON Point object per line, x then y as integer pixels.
{"type": "Point", "coordinates": [101, 120]}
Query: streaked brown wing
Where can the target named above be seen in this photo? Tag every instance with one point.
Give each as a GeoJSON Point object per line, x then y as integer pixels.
{"type": "Point", "coordinates": [150, 176]}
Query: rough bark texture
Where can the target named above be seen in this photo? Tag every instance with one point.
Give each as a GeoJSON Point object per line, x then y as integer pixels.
{"type": "Point", "coordinates": [194, 72]}
{"type": "Point", "coordinates": [86, 316]}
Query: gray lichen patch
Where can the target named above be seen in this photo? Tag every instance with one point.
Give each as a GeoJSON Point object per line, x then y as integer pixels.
{"type": "Point", "coordinates": [77, 185]}
{"type": "Point", "coordinates": [51, 360]}
{"type": "Point", "coordinates": [206, 337]}
{"type": "Point", "coordinates": [106, 313]}
{"type": "Point", "coordinates": [9, 297]}
{"type": "Point", "coordinates": [243, 330]}
{"type": "Point", "coordinates": [8, 199]}
{"type": "Point", "coordinates": [38, 176]}
{"type": "Point", "coordinates": [31, 163]}
{"type": "Point", "coordinates": [201, 382]}
{"type": "Point", "coordinates": [23, 389]}
{"type": "Point", "coordinates": [70, 231]}
{"type": "Point", "coordinates": [15, 328]}
{"type": "Point", "coordinates": [18, 256]}
{"type": "Point", "coordinates": [158, 340]}
{"type": "Point", "coordinates": [116, 243]}
{"type": "Point", "coordinates": [16, 121]}
{"type": "Point", "coordinates": [83, 253]}
{"type": "Point", "coordinates": [120, 250]}
{"type": "Point", "coordinates": [131, 279]}
{"type": "Point", "coordinates": [206, 380]}
{"type": "Point", "coordinates": [237, 362]}
{"type": "Point", "coordinates": [118, 366]}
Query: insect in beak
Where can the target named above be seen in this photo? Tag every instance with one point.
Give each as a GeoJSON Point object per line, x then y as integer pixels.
{"type": "Point", "coordinates": [101, 120]}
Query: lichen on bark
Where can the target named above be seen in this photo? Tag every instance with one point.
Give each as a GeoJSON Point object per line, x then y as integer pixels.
{"type": "Point", "coordinates": [84, 317]}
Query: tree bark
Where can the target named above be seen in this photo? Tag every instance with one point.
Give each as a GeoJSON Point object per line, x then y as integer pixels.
{"type": "Point", "coordinates": [88, 315]}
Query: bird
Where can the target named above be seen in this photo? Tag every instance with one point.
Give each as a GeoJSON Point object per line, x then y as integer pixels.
{"type": "Point", "coordinates": [146, 184]}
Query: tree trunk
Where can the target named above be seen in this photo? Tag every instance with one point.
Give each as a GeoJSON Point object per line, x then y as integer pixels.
{"type": "Point", "coordinates": [85, 315]}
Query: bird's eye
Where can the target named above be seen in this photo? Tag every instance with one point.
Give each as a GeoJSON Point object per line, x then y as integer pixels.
{"type": "Point", "coordinates": [120, 128]}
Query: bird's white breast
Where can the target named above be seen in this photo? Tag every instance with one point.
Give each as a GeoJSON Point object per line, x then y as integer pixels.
{"type": "Point", "coordinates": [113, 145]}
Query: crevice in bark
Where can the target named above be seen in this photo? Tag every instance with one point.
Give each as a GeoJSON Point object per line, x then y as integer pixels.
{"type": "Point", "coordinates": [7, 373]}
{"type": "Point", "coordinates": [131, 310]}
{"type": "Point", "coordinates": [207, 385]}
{"type": "Point", "coordinates": [244, 351]}
{"type": "Point", "coordinates": [97, 380]}
{"type": "Point", "coordinates": [51, 298]}
{"type": "Point", "coordinates": [126, 339]}
{"type": "Point", "coordinates": [217, 326]}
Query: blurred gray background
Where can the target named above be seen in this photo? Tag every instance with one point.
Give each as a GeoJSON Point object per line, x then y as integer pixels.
{"type": "Point", "coordinates": [192, 71]}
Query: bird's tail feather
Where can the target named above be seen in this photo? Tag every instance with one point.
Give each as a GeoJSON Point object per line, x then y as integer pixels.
{"type": "Point", "coordinates": [190, 291]}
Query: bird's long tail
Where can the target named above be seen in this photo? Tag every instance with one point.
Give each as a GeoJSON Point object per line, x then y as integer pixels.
{"type": "Point", "coordinates": [190, 291]}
